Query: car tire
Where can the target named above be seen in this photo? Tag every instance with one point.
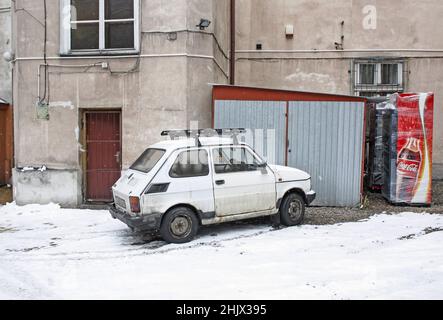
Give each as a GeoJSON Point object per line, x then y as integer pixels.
{"type": "Point", "coordinates": [292, 210]}
{"type": "Point", "coordinates": [180, 225]}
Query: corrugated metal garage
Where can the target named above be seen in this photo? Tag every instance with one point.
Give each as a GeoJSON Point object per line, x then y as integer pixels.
{"type": "Point", "coordinates": [256, 115]}
{"type": "Point", "coordinates": [320, 133]}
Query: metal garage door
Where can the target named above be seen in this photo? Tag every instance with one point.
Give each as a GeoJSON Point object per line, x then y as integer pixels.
{"type": "Point", "coordinates": [326, 140]}
{"type": "Point", "coordinates": [257, 115]}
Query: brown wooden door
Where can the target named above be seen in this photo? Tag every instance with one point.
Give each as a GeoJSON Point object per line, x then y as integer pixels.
{"type": "Point", "coordinates": [5, 143]}
{"type": "Point", "coordinates": [103, 163]}
{"type": "Point", "coordinates": [2, 146]}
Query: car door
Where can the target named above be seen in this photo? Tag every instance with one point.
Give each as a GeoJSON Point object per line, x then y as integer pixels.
{"type": "Point", "coordinates": [240, 185]}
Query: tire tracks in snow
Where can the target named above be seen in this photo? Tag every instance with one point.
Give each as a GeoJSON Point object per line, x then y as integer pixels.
{"type": "Point", "coordinates": [16, 283]}
{"type": "Point", "coordinates": [158, 247]}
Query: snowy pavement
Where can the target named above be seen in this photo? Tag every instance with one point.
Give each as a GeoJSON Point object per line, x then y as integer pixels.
{"type": "Point", "coordinates": [52, 253]}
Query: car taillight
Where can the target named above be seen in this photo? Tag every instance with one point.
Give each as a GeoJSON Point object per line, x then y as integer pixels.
{"type": "Point", "coordinates": [135, 204]}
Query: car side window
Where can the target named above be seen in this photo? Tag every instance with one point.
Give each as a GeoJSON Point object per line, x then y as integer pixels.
{"type": "Point", "coordinates": [192, 163]}
{"type": "Point", "coordinates": [233, 159]}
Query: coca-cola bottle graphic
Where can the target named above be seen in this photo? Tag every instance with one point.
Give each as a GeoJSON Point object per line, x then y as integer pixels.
{"type": "Point", "coordinates": [408, 167]}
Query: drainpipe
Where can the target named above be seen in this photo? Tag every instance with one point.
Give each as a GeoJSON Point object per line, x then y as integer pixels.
{"type": "Point", "coordinates": [232, 55]}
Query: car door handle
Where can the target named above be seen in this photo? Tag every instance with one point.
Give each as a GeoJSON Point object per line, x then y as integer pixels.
{"type": "Point", "coordinates": [220, 182]}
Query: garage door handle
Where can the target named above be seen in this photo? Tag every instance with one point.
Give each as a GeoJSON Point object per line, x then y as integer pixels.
{"type": "Point", "coordinates": [220, 182]}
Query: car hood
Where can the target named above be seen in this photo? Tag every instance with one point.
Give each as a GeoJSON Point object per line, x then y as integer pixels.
{"type": "Point", "coordinates": [289, 174]}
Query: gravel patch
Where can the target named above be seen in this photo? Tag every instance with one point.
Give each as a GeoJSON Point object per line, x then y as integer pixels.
{"type": "Point", "coordinates": [374, 204]}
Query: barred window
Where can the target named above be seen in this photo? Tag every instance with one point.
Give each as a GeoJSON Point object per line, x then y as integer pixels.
{"type": "Point", "coordinates": [367, 73]}
{"type": "Point", "coordinates": [389, 73]}
{"type": "Point", "coordinates": [378, 77]}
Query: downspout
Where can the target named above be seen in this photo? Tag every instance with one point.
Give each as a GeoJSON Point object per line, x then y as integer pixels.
{"type": "Point", "coordinates": [232, 55]}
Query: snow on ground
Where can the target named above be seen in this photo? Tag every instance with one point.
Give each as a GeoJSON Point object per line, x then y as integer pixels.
{"type": "Point", "coordinates": [47, 252]}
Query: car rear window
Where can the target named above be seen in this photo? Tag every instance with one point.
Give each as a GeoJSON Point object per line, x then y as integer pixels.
{"type": "Point", "coordinates": [148, 160]}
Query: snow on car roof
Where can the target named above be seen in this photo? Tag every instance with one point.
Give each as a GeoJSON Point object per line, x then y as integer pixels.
{"type": "Point", "coordinates": [186, 143]}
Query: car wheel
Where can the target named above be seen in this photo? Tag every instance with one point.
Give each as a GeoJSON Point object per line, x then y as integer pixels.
{"type": "Point", "coordinates": [180, 225]}
{"type": "Point", "coordinates": [292, 211]}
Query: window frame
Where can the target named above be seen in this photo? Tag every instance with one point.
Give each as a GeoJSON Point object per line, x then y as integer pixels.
{"type": "Point", "coordinates": [378, 87]}
{"type": "Point", "coordinates": [190, 176]}
{"type": "Point", "coordinates": [254, 156]}
{"type": "Point", "coordinates": [143, 171]}
{"type": "Point", "coordinates": [399, 77]}
{"type": "Point", "coordinates": [378, 73]}
{"type": "Point", "coordinates": [65, 32]}
{"type": "Point", "coordinates": [358, 78]}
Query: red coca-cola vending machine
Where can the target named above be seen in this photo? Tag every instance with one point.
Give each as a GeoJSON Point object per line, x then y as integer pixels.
{"type": "Point", "coordinates": [407, 137]}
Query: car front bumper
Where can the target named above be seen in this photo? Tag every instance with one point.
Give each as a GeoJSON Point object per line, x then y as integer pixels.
{"type": "Point", "coordinates": [139, 223]}
{"type": "Point", "coordinates": [310, 197]}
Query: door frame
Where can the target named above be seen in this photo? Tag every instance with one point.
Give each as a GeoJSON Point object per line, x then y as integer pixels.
{"type": "Point", "coordinates": [83, 152]}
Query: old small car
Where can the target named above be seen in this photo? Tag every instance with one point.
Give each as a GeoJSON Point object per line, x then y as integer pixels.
{"type": "Point", "coordinates": [179, 185]}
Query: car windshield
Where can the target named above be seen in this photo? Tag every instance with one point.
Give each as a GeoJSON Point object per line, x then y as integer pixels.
{"type": "Point", "coordinates": [148, 160]}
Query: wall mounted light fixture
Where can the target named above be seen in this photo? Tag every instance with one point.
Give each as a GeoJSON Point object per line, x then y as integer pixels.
{"type": "Point", "coordinates": [204, 23]}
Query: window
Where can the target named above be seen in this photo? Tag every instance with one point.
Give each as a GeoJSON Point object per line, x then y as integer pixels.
{"type": "Point", "coordinates": [193, 163]}
{"type": "Point", "coordinates": [378, 77]}
{"type": "Point", "coordinates": [228, 160]}
{"type": "Point", "coordinates": [99, 26]}
{"type": "Point", "coordinates": [148, 160]}
{"type": "Point", "coordinates": [389, 74]}
{"type": "Point", "coordinates": [367, 73]}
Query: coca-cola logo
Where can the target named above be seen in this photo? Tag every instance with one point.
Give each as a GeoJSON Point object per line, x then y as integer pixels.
{"type": "Point", "coordinates": [408, 167]}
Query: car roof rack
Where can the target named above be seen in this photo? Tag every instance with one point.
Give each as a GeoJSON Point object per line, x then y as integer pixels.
{"type": "Point", "coordinates": [177, 134]}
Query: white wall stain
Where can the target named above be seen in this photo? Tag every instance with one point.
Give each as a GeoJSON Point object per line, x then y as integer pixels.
{"type": "Point", "coordinates": [62, 104]}
{"type": "Point", "coordinates": [77, 133]}
{"type": "Point", "coordinates": [77, 137]}
{"type": "Point", "coordinates": [302, 77]}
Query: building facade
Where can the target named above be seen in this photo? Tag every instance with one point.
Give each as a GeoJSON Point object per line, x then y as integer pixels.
{"type": "Point", "coordinates": [95, 82]}
{"type": "Point", "coordinates": [6, 150]}
{"type": "Point", "coordinates": [5, 45]}
{"type": "Point", "coordinates": [358, 47]}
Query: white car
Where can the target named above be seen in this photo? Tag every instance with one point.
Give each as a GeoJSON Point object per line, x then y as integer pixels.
{"type": "Point", "coordinates": [176, 186]}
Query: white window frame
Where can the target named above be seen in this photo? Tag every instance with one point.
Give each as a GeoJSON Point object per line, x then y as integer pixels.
{"type": "Point", "coordinates": [377, 77]}
{"type": "Point", "coordinates": [357, 79]}
{"type": "Point", "coordinates": [399, 73]}
{"type": "Point", "coordinates": [65, 31]}
{"type": "Point", "coordinates": [377, 86]}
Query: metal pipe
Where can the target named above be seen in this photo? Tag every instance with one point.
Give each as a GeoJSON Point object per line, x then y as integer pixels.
{"type": "Point", "coordinates": [232, 55]}
{"type": "Point", "coordinates": [212, 34]}
{"type": "Point", "coordinates": [334, 58]}
{"type": "Point", "coordinates": [225, 73]}
{"type": "Point", "coordinates": [38, 82]}
{"type": "Point", "coordinates": [339, 51]}
{"type": "Point", "coordinates": [61, 66]}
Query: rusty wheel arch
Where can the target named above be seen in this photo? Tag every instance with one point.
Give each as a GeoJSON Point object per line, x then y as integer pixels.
{"type": "Point", "coordinates": [185, 205]}
{"type": "Point", "coordinates": [293, 190]}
